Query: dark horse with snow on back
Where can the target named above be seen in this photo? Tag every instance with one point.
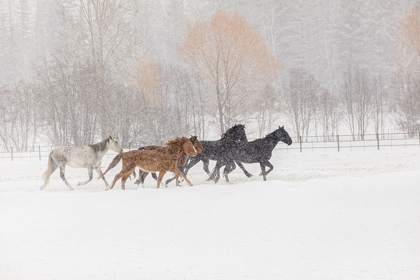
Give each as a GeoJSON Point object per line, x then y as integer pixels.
{"type": "Point", "coordinates": [259, 150]}
{"type": "Point", "coordinates": [213, 149]}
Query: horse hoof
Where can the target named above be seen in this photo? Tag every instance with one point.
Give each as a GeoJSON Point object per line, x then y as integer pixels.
{"type": "Point", "coordinates": [78, 184]}
{"type": "Point", "coordinates": [142, 185]}
{"type": "Point", "coordinates": [249, 175]}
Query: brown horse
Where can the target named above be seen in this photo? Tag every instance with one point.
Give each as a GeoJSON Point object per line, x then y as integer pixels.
{"type": "Point", "coordinates": [162, 160]}
{"type": "Point", "coordinates": [182, 160]}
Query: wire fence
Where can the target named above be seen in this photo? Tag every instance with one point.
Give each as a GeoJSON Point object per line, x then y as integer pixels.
{"type": "Point", "coordinates": [304, 144]}
{"type": "Point", "coordinates": [351, 143]}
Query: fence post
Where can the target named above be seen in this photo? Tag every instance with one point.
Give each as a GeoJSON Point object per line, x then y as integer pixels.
{"type": "Point", "coordinates": [39, 152]}
{"type": "Point", "coordinates": [300, 143]}
{"type": "Point", "coordinates": [338, 142]}
{"type": "Point", "coordinates": [11, 152]}
{"type": "Point", "coordinates": [377, 139]}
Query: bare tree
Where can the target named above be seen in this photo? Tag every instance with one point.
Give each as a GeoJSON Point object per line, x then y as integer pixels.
{"type": "Point", "coordinates": [357, 100]}
{"type": "Point", "coordinates": [301, 100]}
{"type": "Point", "coordinates": [266, 107]}
{"type": "Point", "coordinates": [379, 106]}
{"type": "Point", "coordinates": [20, 116]}
{"type": "Point", "coordinates": [407, 94]}
{"type": "Point", "coordinates": [329, 114]}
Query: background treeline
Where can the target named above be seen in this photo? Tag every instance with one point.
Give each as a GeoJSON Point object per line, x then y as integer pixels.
{"type": "Point", "coordinates": [74, 71]}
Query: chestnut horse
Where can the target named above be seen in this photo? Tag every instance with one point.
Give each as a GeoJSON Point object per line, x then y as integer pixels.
{"type": "Point", "coordinates": [162, 160]}
{"type": "Point", "coordinates": [181, 162]}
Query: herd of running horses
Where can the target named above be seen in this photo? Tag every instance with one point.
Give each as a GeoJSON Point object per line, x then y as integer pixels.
{"type": "Point", "coordinates": [177, 156]}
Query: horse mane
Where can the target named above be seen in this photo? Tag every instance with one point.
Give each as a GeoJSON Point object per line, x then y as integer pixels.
{"type": "Point", "coordinates": [98, 147]}
{"type": "Point", "coordinates": [272, 135]}
{"type": "Point", "coordinates": [233, 128]}
{"type": "Point", "coordinates": [176, 141]}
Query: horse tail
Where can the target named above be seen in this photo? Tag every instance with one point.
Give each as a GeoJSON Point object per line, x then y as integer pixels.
{"type": "Point", "coordinates": [50, 169]}
{"type": "Point", "coordinates": [114, 162]}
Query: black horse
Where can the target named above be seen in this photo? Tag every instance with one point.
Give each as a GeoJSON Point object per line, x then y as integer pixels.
{"type": "Point", "coordinates": [259, 150]}
{"type": "Point", "coordinates": [212, 149]}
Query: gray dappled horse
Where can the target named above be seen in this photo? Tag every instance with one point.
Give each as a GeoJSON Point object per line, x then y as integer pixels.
{"type": "Point", "coordinates": [89, 157]}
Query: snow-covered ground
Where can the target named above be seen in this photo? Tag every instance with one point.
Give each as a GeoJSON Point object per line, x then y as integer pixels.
{"type": "Point", "coordinates": [319, 216]}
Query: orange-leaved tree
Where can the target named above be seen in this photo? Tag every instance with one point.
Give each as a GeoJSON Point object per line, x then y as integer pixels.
{"type": "Point", "coordinates": [148, 77]}
{"type": "Point", "coordinates": [410, 28]}
{"type": "Point", "coordinates": [232, 61]}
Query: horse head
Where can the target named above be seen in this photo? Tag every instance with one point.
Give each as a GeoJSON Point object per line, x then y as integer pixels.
{"type": "Point", "coordinates": [196, 144]}
{"type": "Point", "coordinates": [188, 147]}
{"type": "Point", "coordinates": [114, 145]}
{"type": "Point", "coordinates": [284, 136]}
{"type": "Point", "coordinates": [236, 132]}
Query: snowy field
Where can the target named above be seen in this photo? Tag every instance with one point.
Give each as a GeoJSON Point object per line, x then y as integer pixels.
{"type": "Point", "coordinates": [319, 216]}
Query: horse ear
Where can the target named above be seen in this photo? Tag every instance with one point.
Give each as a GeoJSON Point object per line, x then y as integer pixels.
{"type": "Point", "coordinates": [282, 127]}
{"type": "Point", "coordinates": [110, 137]}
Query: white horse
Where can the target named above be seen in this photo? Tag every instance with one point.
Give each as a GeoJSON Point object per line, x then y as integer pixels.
{"type": "Point", "coordinates": [89, 157]}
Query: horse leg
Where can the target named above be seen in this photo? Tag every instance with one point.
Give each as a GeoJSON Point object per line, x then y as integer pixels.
{"type": "Point", "coordinates": [179, 173]}
{"type": "Point", "coordinates": [99, 171]}
{"type": "Point", "coordinates": [116, 178]}
{"type": "Point", "coordinates": [90, 172]}
{"type": "Point", "coordinates": [249, 175]}
{"type": "Point", "coordinates": [206, 166]}
{"type": "Point", "coordinates": [142, 177]}
{"type": "Point", "coordinates": [62, 175]}
{"type": "Point", "coordinates": [263, 171]}
{"type": "Point", "coordinates": [171, 179]}
{"type": "Point", "coordinates": [191, 162]}
{"type": "Point", "coordinates": [154, 176]}
{"type": "Point", "coordinates": [159, 179]}
{"type": "Point", "coordinates": [269, 165]}
{"type": "Point", "coordinates": [215, 176]}
{"type": "Point", "coordinates": [124, 178]}
{"type": "Point", "coordinates": [228, 168]}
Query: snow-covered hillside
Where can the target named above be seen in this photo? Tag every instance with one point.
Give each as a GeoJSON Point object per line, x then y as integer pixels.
{"type": "Point", "coordinates": [320, 216]}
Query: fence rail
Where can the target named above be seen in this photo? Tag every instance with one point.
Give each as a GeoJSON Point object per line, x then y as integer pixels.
{"type": "Point", "coordinates": [349, 143]}
{"type": "Point", "coordinates": [300, 144]}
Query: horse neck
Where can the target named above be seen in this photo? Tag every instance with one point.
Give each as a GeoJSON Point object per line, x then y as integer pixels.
{"type": "Point", "coordinates": [175, 150]}
{"type": "Point", "coordinates": [272, 138]}
{"type": "Point", "coordinates": [101, 148]}
{"type": "Point", "coordinates": [227, 136]}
